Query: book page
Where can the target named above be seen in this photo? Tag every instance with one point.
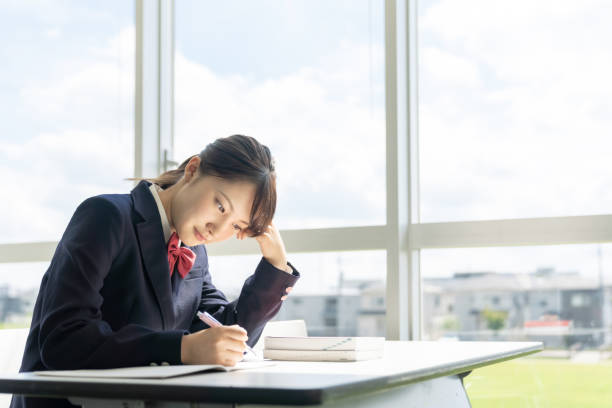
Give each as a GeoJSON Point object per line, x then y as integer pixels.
{"type": "Point", "coordinates": [152, 371]}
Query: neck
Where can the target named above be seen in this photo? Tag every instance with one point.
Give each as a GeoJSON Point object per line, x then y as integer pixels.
{"type": "Point", "coordinates": [166, 197]}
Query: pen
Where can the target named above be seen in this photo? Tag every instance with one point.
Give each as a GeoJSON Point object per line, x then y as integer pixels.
{"type": "Point", "coordinates": [212, 322]}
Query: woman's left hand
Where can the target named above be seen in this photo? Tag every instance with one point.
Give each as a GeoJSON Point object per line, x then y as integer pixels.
{"type": "Point", "coordinates": [272, 247]}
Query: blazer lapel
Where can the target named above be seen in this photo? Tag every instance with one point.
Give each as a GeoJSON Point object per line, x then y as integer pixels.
{"type": "Point", "coordinates": [153, 251]}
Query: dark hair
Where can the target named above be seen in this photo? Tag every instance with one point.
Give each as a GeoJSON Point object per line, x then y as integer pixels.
{"type": "Point", "coordinates": [235, 158]}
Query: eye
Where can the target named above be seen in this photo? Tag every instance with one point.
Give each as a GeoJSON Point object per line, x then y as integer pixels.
{"type": "Point", "coordinates": [237, 228]}
{"type": "Point", "coordinates": [220, 207]}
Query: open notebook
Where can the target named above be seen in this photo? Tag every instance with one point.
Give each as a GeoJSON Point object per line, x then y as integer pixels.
{"type": "Point", "coordinates": [152, 372]}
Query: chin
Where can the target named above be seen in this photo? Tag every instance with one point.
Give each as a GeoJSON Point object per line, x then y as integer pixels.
{"type": "Point", "coordinates": [189, 242]}
{"type": "Point", "coordinates": [188, 239]}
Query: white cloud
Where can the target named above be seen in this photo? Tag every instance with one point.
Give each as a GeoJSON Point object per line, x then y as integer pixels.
{"type": "Point", "coordinates": [90, 91]}
{"type": "Point", "coordinates": [53, 33]}
{"type": "Point", "coordinates": [444, 68]}
{"type": "Point", "coordinates": [87, 149]}
{"type": "Point", "coordinates": [530, 135]}
{"type": "Point", "coordinates": [508, 129]}
{"type": "Point", "coordinates": [326, 135]}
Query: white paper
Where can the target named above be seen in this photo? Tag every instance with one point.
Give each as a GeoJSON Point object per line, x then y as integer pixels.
{"type": "Point", "coordinates": [152, 372]}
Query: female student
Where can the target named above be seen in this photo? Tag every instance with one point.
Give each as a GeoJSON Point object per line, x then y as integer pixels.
{"type": "Point", "coordinates": [131, 270]}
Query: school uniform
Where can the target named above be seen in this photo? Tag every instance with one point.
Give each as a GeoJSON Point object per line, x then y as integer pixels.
{"type": "Point", "coordinates": [108, 298]}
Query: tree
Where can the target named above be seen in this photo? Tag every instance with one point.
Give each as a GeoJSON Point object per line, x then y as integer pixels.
{"type": "Point", "coordinates": [496, 319]}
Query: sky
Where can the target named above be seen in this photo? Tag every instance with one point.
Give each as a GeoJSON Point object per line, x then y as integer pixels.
{"type": "Point", "coordinates": [305, 78]}
{"type": "Point", "coordinates": [514, 112]}
{"type": "Point", "coordinates": [514, 117]}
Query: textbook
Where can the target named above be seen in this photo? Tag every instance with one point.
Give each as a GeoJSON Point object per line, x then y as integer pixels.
{"type": "Point", "coordinates": [322, 355]}
{"type": "Point", "coordinates": [324, 343]}
{"type": "Point", "coordinates": [323, 348]}
{"type": "Point", "coordinates": [152, 372]}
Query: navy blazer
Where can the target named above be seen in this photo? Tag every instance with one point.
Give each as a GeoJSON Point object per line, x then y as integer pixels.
{"type": "Point", "coordinates": [107, 299]}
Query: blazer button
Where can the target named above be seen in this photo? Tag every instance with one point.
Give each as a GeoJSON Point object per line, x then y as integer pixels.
{"type": "Point", "coordinates": [153, 364]}
{"type": "Point", "coordinates": [165, 363]}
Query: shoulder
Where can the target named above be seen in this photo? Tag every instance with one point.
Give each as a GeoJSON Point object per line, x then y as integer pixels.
{"type": "Point", "coordinates": [107, 206]}
{"type": "Point", "coordinates": [201, 254]}
{"type": "Point", "coordinates": [199, 250]}
{"type": "Point", "coordinates": [106, 212]}
{"type": "Point", "coordinates": [98, 219]}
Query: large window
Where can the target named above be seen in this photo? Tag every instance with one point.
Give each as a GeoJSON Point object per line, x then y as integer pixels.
{"type": "Point", "coordinates": [67, 80]}
{"type": "Point", "coordinates": [560, 295]}
{"type": "Point", "coordinates": [514, 124]}
{"type": "Point", "coordinates": [306, 78]}
{"type": "Point", "coordinates": [339, 294]}
{"type": "Point", "coordinates": [442, 173]}
{"type": "Point", "coordinates": [67, 133]}
{"type": "Point", "coordinates": [514, 113]}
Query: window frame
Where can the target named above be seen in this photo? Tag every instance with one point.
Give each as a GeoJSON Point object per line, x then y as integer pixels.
{"type": "Point", "coordinates": [402, 237]}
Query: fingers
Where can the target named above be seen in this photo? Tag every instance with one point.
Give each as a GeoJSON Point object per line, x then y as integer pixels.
{"type": "Point", "coordinates": [231, 344]}
{"type": "Point", "coordinates": [235, 332]}
{"type": "Point", "coordinates": [230, 358]}
{"type": "Point", "coordinates": [234, 346]}
{"type": "Point", "coordinates": [216, 345]}
{"type": "Point", "coordinates": [268, 231]}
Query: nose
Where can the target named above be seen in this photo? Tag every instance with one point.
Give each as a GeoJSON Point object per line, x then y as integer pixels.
{"type": "Point", "coordinates": [210, 229]}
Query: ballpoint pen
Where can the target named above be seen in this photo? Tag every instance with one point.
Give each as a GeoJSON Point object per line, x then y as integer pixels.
{"type": "Point", "coordinates": [212, 322]}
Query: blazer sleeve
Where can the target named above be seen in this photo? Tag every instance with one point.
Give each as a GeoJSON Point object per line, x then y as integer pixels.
{"type": "Point", "coordinates": [72, 333]}
{"type": "Point", "coordinates": [259, 300]}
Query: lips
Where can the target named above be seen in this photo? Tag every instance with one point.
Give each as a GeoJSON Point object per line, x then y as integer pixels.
{"type": "Point", "coordinates": [198, 235]}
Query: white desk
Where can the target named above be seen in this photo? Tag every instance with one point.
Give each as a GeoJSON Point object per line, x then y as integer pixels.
{"type": "Point", "coordinates": [410, 374]}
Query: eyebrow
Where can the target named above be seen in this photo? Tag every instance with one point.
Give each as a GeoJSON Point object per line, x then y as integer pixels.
{"type": "Point", "coordinates": [231, 206]}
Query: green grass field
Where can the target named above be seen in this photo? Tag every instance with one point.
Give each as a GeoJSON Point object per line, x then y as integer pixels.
{"type": "Point", "coordinates": [541, 383]}
{"type": "Point", "coordinates": [20, 325]}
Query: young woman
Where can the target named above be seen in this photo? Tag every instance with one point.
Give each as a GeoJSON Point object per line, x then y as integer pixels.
{"type": "Point", "coordinates": [131, 270]}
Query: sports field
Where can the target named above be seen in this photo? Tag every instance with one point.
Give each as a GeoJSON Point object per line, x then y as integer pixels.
{"type": "Point", "coordinates": [538, 382]}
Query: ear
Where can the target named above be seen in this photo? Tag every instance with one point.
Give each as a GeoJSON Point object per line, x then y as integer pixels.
{"type": "Point", "coordinates": [191, 170]}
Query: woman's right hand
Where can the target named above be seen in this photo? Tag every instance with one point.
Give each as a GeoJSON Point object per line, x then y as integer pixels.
{"type": "Point", "coordinates": [217, 345]}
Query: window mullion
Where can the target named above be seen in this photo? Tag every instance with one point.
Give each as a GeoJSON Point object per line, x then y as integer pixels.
{"type": "Point", "coordinates": [153, 89]}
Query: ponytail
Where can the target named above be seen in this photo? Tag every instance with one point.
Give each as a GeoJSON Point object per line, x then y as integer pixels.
{"type": "Point", "coordinates": [168, 178]}
{"type": "Point", "coordinates": [235, 158]}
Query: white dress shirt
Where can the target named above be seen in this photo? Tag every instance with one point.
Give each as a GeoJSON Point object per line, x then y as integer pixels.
{"type": "Point", "coordinates": [162, 212]}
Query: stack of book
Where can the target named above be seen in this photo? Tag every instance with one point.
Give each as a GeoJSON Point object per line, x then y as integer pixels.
{"type": "Point", "coordinates": [323, 348]}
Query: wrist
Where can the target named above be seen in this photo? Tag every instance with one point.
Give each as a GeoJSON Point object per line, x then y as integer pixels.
{"type": "Point", "coordinates": [281, 265]}
{"type": "Point", "coordinates": [185, 349]}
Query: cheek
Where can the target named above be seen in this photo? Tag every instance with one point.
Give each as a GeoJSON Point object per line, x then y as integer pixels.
{"type": "Point", "coordinates": [179, 222]}
{"type": "Point", "coordinates": [227, 233]}
{"type": "Point", "coordinates": [223, 235]}
{"type": "Point", "coordinates": [183, 216]}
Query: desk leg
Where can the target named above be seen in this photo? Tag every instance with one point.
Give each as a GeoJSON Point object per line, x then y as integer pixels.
{"type": "Point", "coordinates": [443, 392]}
{"type": "Point", "coordinates": [107, 403]}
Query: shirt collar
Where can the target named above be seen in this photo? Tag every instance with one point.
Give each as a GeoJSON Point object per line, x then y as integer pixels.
{"type": "Point", "coordinates": [154, 188]}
